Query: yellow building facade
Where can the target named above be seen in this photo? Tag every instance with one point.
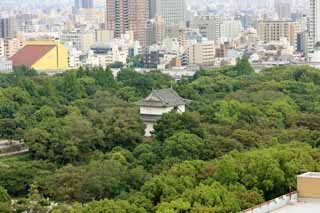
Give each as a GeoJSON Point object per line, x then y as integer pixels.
{"type": "Point", "coordinates": [42, 56]}
{"type": "Point", "coordinates": [55, 59]}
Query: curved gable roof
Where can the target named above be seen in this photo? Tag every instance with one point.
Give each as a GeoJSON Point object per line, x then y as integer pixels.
{"type": "Point", "coordinates": [163, 98]}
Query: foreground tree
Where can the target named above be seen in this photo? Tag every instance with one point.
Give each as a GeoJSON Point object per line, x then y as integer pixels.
{"type": "Point", "coordinates": [5, 201]}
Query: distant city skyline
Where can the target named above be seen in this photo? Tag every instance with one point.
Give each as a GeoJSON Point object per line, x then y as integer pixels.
{"type": "Point", "coordinates": [164, 33]}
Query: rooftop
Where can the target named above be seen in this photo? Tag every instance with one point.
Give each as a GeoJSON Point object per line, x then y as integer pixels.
{"type": "Point", "coordinates": [302, 206]}
{"type": "Point", "coordinates": [30, 54]}
{"type": "Point", "coordinates": [310, 175]}
{"type": "Point", "coordinates": [305, 200]}
{"type": "Point", "coordinates": [163, 98]}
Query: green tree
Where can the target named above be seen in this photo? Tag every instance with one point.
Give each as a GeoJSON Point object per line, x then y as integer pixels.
{"type": "Point", "coordinates": [5, 201]}
{"type": "Point", "coordinates": [121, 127]}
{"type": "Point", "coordinates": [243, 67]}
{"type": "Point", "coordinates": [111, 206]}
{"type": "Point", "coordinates": [71, 87]}
{"type": "Point", "coordinates": [171, 123]}
{"type": "Point", "coordinates": [183, 146]}
{"type": "Point", "coordinates": [105, 78]}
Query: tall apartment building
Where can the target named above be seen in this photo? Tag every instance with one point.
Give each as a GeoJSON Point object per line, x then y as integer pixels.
{"type": "Point", "coordinates": [155, 30]}
{"type": "Point", "coordinates": [275, 30]}
{"type": "Point", "coordinates": [201, 53]}
{"type": "Point", "coordinates": [283, 9]}
{"type": "Point", "coordinates": [153, 8]}
{"type": "Point", "coordinates": [128, 15]}
{"type": "Point", "coordinates": [172, 11]}
{"type": "Point", "coordinates": [209, 26]}
{"type": "Point", "coordinates": [8, 27]}
{"type": "Point", "coordinates": [86, 4]}
{"type": "Point", "coordinates": [314, 24]}
{"type": "Point", "coordinates": [231, 29]}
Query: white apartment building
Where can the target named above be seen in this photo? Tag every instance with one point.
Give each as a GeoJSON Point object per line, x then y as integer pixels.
{"type": "Point", "coordinates": [209, 26]}
{"type": "Point", "coordinates": [201, 53]}
{"type": "Point", "coordinates": [80, 40]}
{"type": "Point", "coordinates": [100, 60]}
{"type": "Point", "coordinates": [231, 29]}
{"type": "Point", "coordinates": [8, 47]}
{"type": "Point", "coordinates": [314, 23]}
{"type": "Point", "coordinates": [74, 58]}
{"type": "Point", "coordinates": [116, 50]}
{"type": "Point", "coordinates": [5, 65]}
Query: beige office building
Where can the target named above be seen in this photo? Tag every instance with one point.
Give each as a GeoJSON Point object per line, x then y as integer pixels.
{"type": "Point", "coordinates": [103, 36]}
{"type": "Point", "coordinates": [202, 53]}
{"type": "Point", "coordinates": [275, 30]}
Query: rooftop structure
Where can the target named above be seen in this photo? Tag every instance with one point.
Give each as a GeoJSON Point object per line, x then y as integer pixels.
{"type": "Point", "coordinates": [157, 103]}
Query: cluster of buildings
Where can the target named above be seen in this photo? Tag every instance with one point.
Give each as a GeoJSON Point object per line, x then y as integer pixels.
{"type": "Point", "coordinates": [170, 35]}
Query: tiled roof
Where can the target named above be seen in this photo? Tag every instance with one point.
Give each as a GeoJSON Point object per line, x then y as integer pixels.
{"type": "Point", "coordinates": [30, 54]}
{"type": "Point", "coordinates": [163, 98]}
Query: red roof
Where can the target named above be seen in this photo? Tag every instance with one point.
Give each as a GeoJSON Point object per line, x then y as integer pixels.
{"type": "Point", "coordinates": [30, 54]}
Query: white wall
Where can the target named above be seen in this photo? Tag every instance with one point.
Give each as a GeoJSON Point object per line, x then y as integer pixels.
{"type": "Point", "coordinates": [155, 111]}
{"type": "Point", "coordinates": [148, 129]}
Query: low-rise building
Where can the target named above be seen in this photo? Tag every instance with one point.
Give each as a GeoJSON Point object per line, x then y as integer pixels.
{"type": "Point", "coordinates": [151, 60]}
{"type": "Point", "coordinates": [81, 40]}
{"type": "Point", "coordinates": [42, 56]}
{"type": "Point", "coordinates": [156, 104]}
{"type": "Point", "coordinates": [116, 50]}
{"type": "Point", "coordinates": [9, 46]}
{"type": "Point", "coordinates": [5, 65]}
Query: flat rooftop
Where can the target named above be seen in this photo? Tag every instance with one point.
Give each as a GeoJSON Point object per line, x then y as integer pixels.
{"type": "Point", "coordinates": [303, 206]}
{"type": "Point", "coordinates": [310, 175]}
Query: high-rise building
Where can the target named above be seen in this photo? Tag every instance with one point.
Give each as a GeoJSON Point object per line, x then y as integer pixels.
{"type": "Point", "coordinates": [155, 30]}
{"type": "Point", "coordinates": [128, 15]}
{"type": "Point", "coordinates": [283, 9]}
{"type": "Point", "coordinates": [172, 11]}
{"type": "Point", "coordinates": [314, 23]}
{"type": "Point", "coordinates": [7, 27]}
{"type": "Point", "coordinates": [152, 8]}
{"type": "Point", "coordinates": [77, 5]}
{"type": "Point", "coordinates": [209, 26]}
{"type": "Point", "coordinates": [231, 29]}
{"type": "Point", "coordinates": [86, 4]}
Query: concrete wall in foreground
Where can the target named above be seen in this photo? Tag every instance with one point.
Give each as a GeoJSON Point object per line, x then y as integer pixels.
{"type": "Point", "coordinates": [273, 205]}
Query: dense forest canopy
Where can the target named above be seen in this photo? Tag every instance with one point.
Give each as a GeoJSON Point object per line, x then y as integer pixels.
{"type": "Point", "coordinates": [244, 138]}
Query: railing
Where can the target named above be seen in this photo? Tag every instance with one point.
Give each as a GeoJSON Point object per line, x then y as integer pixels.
{"type": "Point", "coordinates": [9, 148]}
{"type": "Point", "coordinates": [14, 153]}
{"type": "Point", "coordinates": [273, 204]}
